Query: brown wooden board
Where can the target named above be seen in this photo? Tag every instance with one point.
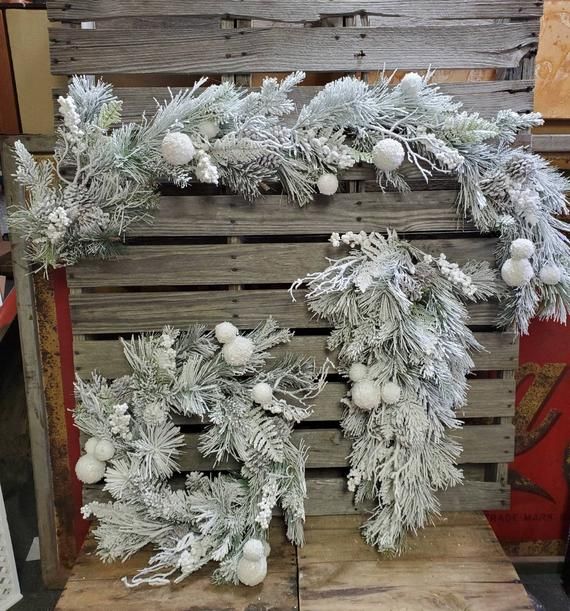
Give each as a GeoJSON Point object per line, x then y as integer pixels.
{"type": "Point", "coordinates": [496, 45]}
{"type": "Point", "coordinates": [257, 263]}
{"type": "Point", "coordinates": [455, 564]}
{"type": "Point", "coordinates": [294, 10]}
{"type": "Point", "coordinates": [106, 356]}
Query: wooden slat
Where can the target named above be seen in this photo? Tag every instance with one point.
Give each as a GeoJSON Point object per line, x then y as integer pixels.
{"type": "Point", "coordinates": [330, 496]}
{"type": "Point", "coordinates": [551, 143]}
{"type": "Point", "coordinates": [328, 448]}
{"type": "Point", "coordinates": [107, 357]}
{"type": "Point", "coordinates": [485, 97]}
{"type": "Point", "coordinates": [457, 564]}
{"type": "Point", "coordinates": [499, 45]}
{"type": "Point", "coordinates": [134, 312]}
{"type": "Point", "coordinates": [53, 527]}
{"type": "Point", "coordinates": [212, 264]}
{"type": "Point", "coordinates": [96, 586]}
{"type": "Point", "coordinates": [486, 399]}
{"type": "Point", "coordinates": [274, 215]}
{"type": "Point", "coordinates": [293, 10]}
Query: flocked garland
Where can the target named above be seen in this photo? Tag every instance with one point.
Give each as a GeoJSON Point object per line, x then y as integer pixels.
{"type": "Point", "coordinates": [250, 401]}
{"type": "Point", "coordinates": [400, 328]}
{"type": "Point", "coordinates": [106, 177]}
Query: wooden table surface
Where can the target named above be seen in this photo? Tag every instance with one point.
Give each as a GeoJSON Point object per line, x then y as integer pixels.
{"type": "Point", "coordinates": [456, 565]}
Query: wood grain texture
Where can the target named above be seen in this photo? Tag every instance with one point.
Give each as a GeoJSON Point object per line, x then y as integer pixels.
{"type": "Point", "coordinates": [273, 215]}
{"type": "Point", "coordinates": [501, 45]}
{"type": "Point", "coordinates": [54, 572]}
{"type": "Point", "coordinates": [329, 496]}
{"type": "Point", "coordinates": [293, 10]}
{"type": "Point", "coordinates": [106, 356]}
{"type": "Point", "coordinates": [94, 313]}
{"type": "Point", "coordinates": [211, 264]}
{"type": "Point", "coordinates": [485, 97]}
{"type": "Point", "coordinates": [486, 399]}
{"type": "Point", "coordinates": [457, 564]}
{"type": "Point", "coordinates": [96, 586]}
{"type": "Point", "coordinates": [328, 448]}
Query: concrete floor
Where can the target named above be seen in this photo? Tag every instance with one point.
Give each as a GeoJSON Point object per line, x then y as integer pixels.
{"type": "Point", "coordinates": [17, 484]}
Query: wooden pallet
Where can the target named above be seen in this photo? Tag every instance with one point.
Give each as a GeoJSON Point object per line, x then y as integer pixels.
{"type": "Point", "coordinates": [456, 565]}
{"type": "Point", "coordinates": [210, 256]}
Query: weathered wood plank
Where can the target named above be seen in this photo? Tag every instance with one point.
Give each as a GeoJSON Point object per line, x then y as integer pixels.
{"type": "Point", "coordinates": [329, 496]}
{"type": "Point", "coordinates": [486, 399]}
{"type": "Point", "coordinates": [500, 45]}
{"type": "Point", "coordinates": [53, 529]}
{"type": "Point", "coordinates": [221, 215]}
{"type": "Point", "coordinates": [93, 313]}
{"type": "Point", "coordinates": [95, 585]}
{"type": "Point", "coordinates": [106, 356]}
{"type": "Point", "coordinates": [328, 448]}
{"type": "Point", "coordinates": [485, 97]}
{"type": "Point", "coordinates": [210, 264]}
{"type": "Point", "coordinates": [293, 10]}
{"type": "Point", "coordinates": [456, 564]}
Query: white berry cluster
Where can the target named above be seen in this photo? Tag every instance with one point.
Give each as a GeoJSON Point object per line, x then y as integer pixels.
{"type": "Point", "coordinates": [120, 421]}
{"type": "Point", "coordinates": [454, 274]}
{"type": "Point", "coordinates": [191, 559]}
{"type": "Point", "coordinates": [267, 503]}
{"type": "Point", "coordinates": [71, 118]}
{"type": "Point", "coordinates": [166, 354]}
{"type": "Point", "coordinates": [527, 201]}
{"type": "Point", "coordinates": [332, 154]}
{"type": "Point", "coordinates": [349, 238]}
{"type": "Point", "coordinates": [354, 479]}
{"type": "Point", "coordinates": [58, 223]}
{"type": "Point", "coordinates": [447, 156]}
{"type": "Point", "coordinates": [206, 170]}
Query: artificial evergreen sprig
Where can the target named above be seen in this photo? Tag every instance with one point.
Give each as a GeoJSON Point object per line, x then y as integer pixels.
{"type": "Point", "coordinates": [400, 329]}
{"type": "Point", "coordinates": [250, 402]}
{"type": "Point", "coordinates": [105, 175]}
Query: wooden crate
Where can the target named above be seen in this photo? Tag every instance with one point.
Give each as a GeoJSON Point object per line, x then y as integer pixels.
{"type": "Point", "coordinates": [210, 256]}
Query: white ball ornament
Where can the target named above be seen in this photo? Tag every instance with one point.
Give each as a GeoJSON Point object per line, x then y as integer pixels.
{"type": "Point", "coordinates": [391, 393]}
{"type": "Point", "coordinates": [89, 470]}
{"type": "Point", "coordinates": [238, 352]}
{"type": "Point", "coordinates": [366, 395]}
{"type": "Point", "coordinates": [225, 332]}
{"type": "Point", "coordinates": [388, 155]}
{"type": "Point", "coordinates": [208, 129]}
{"type": "Point", "coordinates": [357, 372]}
{"type": "Point", "coordinates": [517, 272]}
{"type": "Point", "coordinates": [91, 444]}
{"type": "Point", "coordinates": [262, 393]}
{"type": "Point", "coordinates": [550, 274]}
{"type": "Point", "coordinates": [177, 148]}
{"type": "Point", "coordinates": [253, 549]}
{"type": "Point", "coordinates": [252, 566]}
{"type": "Point", "coordinates": [327, 184]}
{"type": "Point", "coordinates": [521, 249]}
{"type": "Point", "coordinates": [412, 83]}
{"type": "Point", "coordinates": [104, 450]}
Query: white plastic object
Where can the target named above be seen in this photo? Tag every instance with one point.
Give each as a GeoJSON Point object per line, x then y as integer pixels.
{"type": "Point", "coordinates": [9, 587]}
